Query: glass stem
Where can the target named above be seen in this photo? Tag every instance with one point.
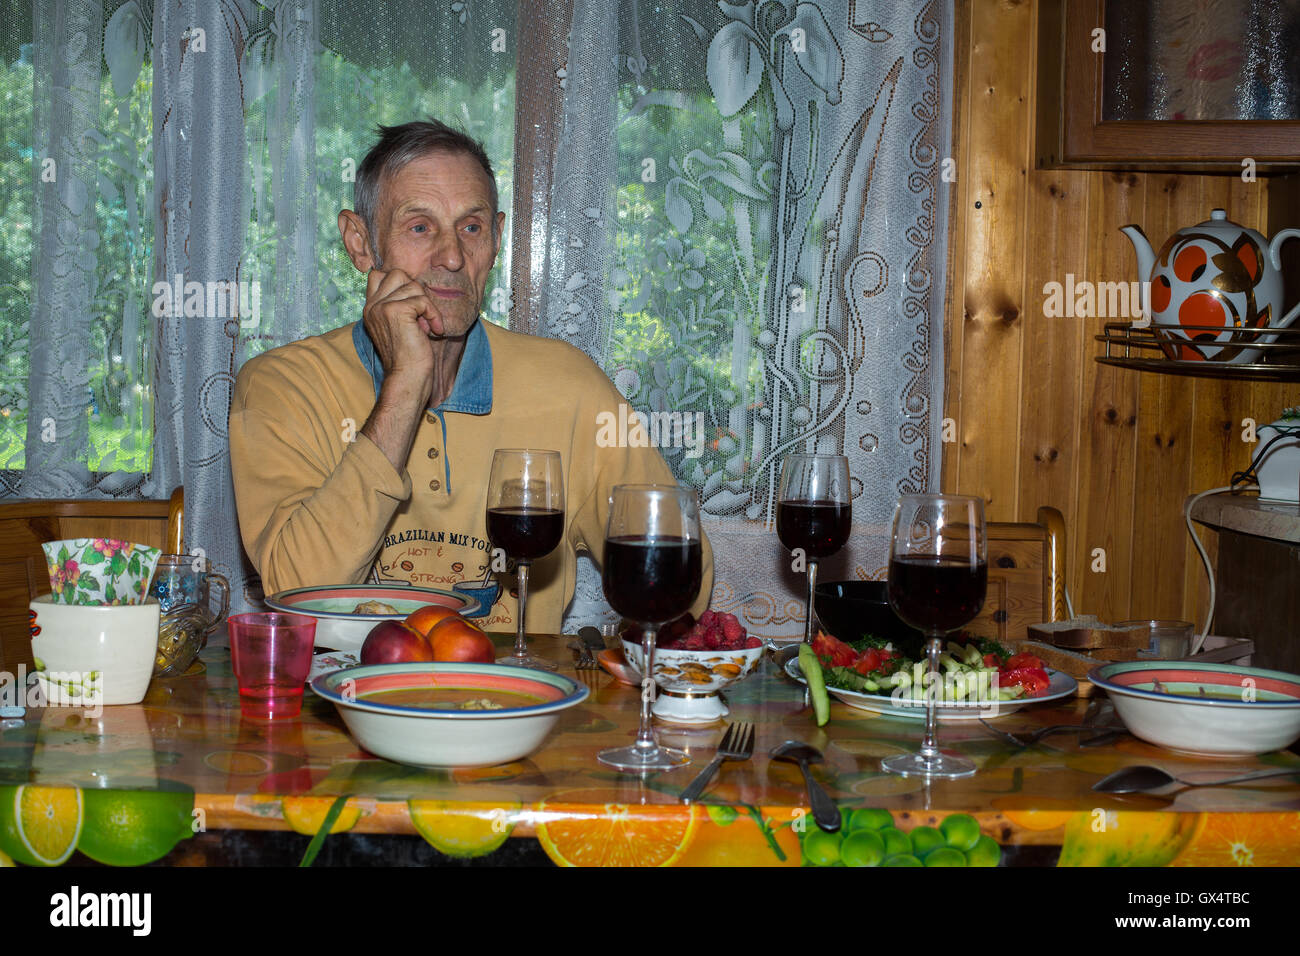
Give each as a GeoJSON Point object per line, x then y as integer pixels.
{"type": "Point", "coordinates": [930, 742]}
{"type": "Point", "coordinates": [645, 737]}
{"type": "Point", "coordinates": [812, 586]}
{"type": "Point", "coordinates": [521, 646]}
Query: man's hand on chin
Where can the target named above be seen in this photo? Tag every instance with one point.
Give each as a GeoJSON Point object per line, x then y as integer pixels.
{"type": "Point", "coordinates": [400, 318]}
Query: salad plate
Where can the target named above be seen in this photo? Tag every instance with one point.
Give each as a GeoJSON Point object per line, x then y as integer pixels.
{"type": "Point", "coordinates": [1061, 685]}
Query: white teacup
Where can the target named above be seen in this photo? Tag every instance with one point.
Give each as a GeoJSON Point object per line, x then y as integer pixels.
{"type": "Point", "coordinates": [91, 654]}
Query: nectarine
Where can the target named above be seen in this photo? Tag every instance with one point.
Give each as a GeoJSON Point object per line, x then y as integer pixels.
{"type": "Point", "coordinates": [459, 640]}
{"type": "Point", "coordinates": [392, 642]}
{"type": "Point", "coordinates": [425, 619]}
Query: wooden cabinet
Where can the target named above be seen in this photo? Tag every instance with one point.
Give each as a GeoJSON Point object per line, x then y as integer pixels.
{"type": "Point", "coordinates": [1193, 85]}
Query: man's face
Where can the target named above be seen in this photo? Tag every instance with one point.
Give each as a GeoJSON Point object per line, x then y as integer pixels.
{"type": "Point", "coordinates": [435, 224]}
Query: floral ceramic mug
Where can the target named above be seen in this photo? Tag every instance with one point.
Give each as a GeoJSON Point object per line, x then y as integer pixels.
{"type": "Point", "coordinates": [99, 570]}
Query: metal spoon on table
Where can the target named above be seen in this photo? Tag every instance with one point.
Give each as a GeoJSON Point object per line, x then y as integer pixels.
{"type": "Point", "coordinates": [1143, 778]}
{"type": "Point", "coordinates": [824, 811]}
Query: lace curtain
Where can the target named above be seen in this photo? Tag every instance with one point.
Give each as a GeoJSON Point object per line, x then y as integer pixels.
{"type": "Point", "coordinates": [735, 209]}
{"type": "Point", "coordinates": [747, 233]}
{"type": "Point", "coordinates": [206, 145]}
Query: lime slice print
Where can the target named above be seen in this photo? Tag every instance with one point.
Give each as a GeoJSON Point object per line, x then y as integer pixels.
{"type": "Point", "coordinates": [450, 830]}
{"type": "Point", "coordinates": [134, 827]}
{"type": "Point", "coordinates": [40, 826]}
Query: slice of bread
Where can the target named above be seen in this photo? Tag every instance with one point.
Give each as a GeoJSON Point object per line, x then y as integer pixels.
{"type": "Point", "coordinates": [1070, 662]}
{"type": "Point", "coordinates": [1087, 633]}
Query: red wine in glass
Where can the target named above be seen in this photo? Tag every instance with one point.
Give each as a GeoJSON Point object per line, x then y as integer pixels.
{"type": "Point", "coordinates": [938, 576]}
{"type": "Point", "coordinates": [525, 534]}
{"type": "Point", "coordinates": [937, 593]}
{"type": "Point", "coordinates": [819, 527]}
{"type": "Point", "coordinates": [813, 513]}
{"type": "Point", "coordinates": [525, 519]}
{"type": "Point", "coordinates": [651, 571]}
{"type": "Point", "coordinates": [652, 579]}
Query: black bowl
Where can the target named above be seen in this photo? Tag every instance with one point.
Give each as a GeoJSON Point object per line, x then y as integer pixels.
{"type": "Point", "coordinates": [851, 610]}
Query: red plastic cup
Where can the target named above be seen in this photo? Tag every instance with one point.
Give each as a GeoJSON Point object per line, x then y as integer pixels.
{"type": "Point", "coordinates": [271, 655]}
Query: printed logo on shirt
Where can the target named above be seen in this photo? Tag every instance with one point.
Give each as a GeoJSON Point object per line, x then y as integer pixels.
{"type": "Point", "coordinates": [448, 560]}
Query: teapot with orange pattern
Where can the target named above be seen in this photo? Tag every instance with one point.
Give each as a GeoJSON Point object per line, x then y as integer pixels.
{"type": "Point", "coordinates": [1216, 274]}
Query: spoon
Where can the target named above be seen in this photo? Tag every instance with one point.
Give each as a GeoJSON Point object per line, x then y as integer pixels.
{"type": "Point", "coordinates": [823, 808]}
{"type": "Point", "coordinates": [1139, 779]}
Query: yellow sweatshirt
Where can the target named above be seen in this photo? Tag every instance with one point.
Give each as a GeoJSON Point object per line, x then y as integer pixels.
{"type": "Point", "coordinates": [320, 504]}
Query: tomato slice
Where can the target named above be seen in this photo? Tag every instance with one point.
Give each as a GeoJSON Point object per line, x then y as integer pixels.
{"type": "Point", "coordinates": [832, 651]}
{"type": "Point", "coordinates": [1017, 661]}
{"type": "Point", "coordinates": [868, 661]}
{"type": "Point", "coordinates": [992, 660]}
{"type": "Point", "coordinates": [1033, 679]}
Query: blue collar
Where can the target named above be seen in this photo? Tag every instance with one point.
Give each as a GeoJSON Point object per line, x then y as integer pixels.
{"type": "Point", "coordinates": [471, 393]}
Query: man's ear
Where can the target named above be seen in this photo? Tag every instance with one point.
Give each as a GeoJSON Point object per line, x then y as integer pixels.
{"type": "Point", "coordinates": [356, 240]}
{"type": "Point", "coordinates": [500, 230]}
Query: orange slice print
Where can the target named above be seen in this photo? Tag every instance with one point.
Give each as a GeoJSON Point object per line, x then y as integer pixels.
{"type": "Point", "coordinates": [596, 827]}
{"type": "Point", "coordinates": [1244, 839]}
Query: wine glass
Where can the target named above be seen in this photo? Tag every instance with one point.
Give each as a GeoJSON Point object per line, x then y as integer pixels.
{"type": "Point", "coordinates": [525, 519]}
{"type": "Point", "coordinates": [938, 575]}
{"type": "Point", "coordinates": [813, 512]}
{"type": "Point", "coordinates": [651, 572]}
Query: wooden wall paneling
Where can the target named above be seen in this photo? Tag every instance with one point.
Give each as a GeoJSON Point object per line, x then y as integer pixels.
{"type": "Point", "coordinates": [1218, 405]}
{"type": "Point", "coordinates": [997, 159]}
{"type": "Point", "coordinates": [1282, 211]}
{"type": "Point", "coordinates": [1144, 441]}
{"type": "Point", "coordinates": [958, 203]}
{"type": "Point", "coordinates": [1107, 417]}
{"type": "Point", "coordinates": [1163, 430]}
{"type": "Point", "coordinates": [1052, 348]}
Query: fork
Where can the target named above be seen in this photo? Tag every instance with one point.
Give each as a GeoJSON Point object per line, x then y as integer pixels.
{"type": "Point", "coordinates": [1028, 740]}
{"type": "Point", "coordinates": [737, 744]}
{"type": "Point", "coordinates": [586, 659]}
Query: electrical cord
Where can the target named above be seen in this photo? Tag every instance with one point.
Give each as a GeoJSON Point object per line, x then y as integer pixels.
{"type": "Point", "coordinates": [1205, 559]}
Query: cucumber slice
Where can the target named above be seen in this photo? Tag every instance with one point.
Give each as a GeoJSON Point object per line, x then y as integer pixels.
{"type": "Point", "coordinates": [812, 672]}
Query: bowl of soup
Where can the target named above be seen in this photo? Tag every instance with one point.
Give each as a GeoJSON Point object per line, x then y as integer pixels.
{"type": "Point", "coordinates": [1207, 709]}
{"type": "Point", "coordinates": [449, 714]}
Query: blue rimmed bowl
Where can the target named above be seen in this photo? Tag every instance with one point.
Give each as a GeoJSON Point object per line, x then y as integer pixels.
{"type": "Point", "coordinates": [1218, 710]}
{"type": "Point", "coordinates": [373, 702]}
{"type": "Point", "coordinates": [340, 628]}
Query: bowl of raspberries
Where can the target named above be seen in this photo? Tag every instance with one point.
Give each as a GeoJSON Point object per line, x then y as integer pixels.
{"type": "Point", "coordinates": [694, 661]}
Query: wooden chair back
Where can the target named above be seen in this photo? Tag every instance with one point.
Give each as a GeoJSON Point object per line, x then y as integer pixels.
{"type": "Point", "coordinates": [26, 523]}
{"type": "Point", "coordinates": [1026, 576]}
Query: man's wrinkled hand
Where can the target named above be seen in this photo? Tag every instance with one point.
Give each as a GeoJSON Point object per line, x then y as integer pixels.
{"type": "Point", "coordinates": [401, 318]}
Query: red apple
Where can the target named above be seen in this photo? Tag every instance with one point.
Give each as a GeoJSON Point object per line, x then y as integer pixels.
{"type": "Point", "coordinates": [392, 642]}
{"type": "Point", "coordinates": [456, 639]}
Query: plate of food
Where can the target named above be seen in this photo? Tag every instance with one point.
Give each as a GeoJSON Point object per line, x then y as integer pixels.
{"type": "Point", "coordinates": [346, 613]}
{"type": "Point", "coordinates": [980, 678]}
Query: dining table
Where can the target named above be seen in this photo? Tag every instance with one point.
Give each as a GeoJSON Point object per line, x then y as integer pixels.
{"type": "Point", "coordinates": [247, 777]}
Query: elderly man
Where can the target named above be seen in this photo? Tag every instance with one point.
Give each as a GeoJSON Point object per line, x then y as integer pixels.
{"type": "Point", "coordinates": [366, 450]}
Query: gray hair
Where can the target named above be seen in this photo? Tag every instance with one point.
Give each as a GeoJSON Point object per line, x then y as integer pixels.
{"type": "Point", "coordinates": [399, 145]}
